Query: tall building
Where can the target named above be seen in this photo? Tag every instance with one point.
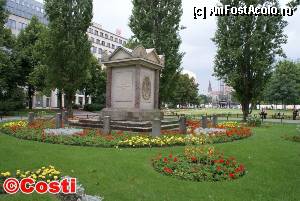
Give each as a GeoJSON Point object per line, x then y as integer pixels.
{"type": "Point", "coordinates": [20, 14]}
{"type": "Point", "coordinates": [103, 40]}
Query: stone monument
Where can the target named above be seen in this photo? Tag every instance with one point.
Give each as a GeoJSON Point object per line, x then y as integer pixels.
{"type": "Point", "coordinates": [132, 90]}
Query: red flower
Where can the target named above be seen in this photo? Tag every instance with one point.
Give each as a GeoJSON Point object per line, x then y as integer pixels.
{"type": "Point", "coordinates": [221, 161]}
{"type": "Point", "coordinates": [231, 175]}
{"type": "Point", "coordinates": [219, 168]}
{"type": "Point", "coordinates": [175, 160]}
{"type": "Point", "coordinates": [168, 170]}
{"type": "Point", "coordinates": [165, 160]}
{"type": "Point", "coordinates": [170, 156]}
{"type": "Point", "coordinates": [194, 159]}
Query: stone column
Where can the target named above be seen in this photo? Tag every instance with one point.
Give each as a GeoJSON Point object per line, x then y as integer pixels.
{"type": "Point", "coordinates": [106, 125]}
{"type": "Point", "coordinates": [30, 117]}
{"type": "Point", "coordinates": [156, 89]}
{"type": "Point", "coordinates": [137, 100]}
{"type": "Point", "coordinates": [182, 125]}
{"type": "Point", "coordinates": [58, 120]}
{"type": "Point", "coordinates": [108, 87]}
{"type": "Point", "coordinates": [204, 122]}
{"type": "Point", "coordinates": [156, 127]}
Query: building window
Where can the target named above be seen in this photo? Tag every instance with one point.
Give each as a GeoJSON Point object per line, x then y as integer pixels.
{"type": "Point", "coordinates": [116, 39]}
{"type": "Point", "coordinates": [124, 42]}
{"type": "Point", "coordinates": [108, 45]}
{"type": "Point", "coordinates": [96, 33]}
{"type": "Point", "coordinates": [101, 34]}
{"type": "Point", "coordinates": [99, 59]}
{"type": "Point", "coordinates": [120, 41]}
{"type": "Point", "coordinates": [12, 24]}
{"type": "Point", "coordinates": [100, 51]}
{"type": "Point", "coordinates": [22, 26]}
{"type": "Point", "coordinates": [113, 46]}
{"type": "Point", "coordinates": [111, 38]}
{"type": "Point", "coordinates": [106, 36]}
{"type": "Point", "coordinates": [98, 41]}
{"type": "Point", "coordinates": [92, 39]}
{"type": "Point", "coordinates": [94, 49]}
{"type": "Point", "coordinates": [103, 43]}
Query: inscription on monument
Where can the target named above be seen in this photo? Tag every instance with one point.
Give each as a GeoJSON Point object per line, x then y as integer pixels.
{"type": "Point", "coordinates": [146, 88]}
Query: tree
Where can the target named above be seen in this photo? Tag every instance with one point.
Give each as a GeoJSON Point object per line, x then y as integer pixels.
{"type": "Point", "coordinates": [26, 57]}
{"type": "Point", "coordinates": [11, 96]}
{"type": "Point", "coordinates": [68, 49]}
{"type": "Point", "coordinates": [284, 86]}
{"type": "Point", "coordinates": [186, 91]}
{"type": "Point", "coordinates": [95, 85]}
{"type": "Point", "coordinates": [156, 24]}
{"type": "Point", "coordinates": [246, 50]}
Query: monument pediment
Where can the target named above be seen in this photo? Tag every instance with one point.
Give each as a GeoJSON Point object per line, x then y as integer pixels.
{"type": "Point", "coordinates": [122, 53]}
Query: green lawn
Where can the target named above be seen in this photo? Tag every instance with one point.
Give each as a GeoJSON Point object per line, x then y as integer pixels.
{"type": "Point", "coordinates": [211, 111]}
{"type": "Point", "coordinates": [273, 166]}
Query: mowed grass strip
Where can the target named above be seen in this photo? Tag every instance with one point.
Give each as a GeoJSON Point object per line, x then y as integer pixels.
{"type": "Point", "coordinates": [273, 166]}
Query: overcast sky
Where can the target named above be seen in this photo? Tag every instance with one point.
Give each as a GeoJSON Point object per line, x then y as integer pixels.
{"type": "Point", "coordinates": [196, 39]}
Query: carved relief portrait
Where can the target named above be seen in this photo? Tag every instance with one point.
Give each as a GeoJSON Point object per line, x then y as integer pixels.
{"type": "Point", "coordinates": [146, 88]}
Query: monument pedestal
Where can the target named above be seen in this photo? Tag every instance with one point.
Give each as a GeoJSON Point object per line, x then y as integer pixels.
{"type": "Point", "coordinates": [121, 114]}
{"type": "Point", "coordinates": [132, 89]}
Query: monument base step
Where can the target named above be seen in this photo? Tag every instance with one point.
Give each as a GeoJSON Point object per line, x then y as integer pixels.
{"type": "Point", "coordinates": [126, 126]}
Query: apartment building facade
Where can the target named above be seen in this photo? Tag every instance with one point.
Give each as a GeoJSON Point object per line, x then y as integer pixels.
{"type": "Point", "coordinates": [20, 14]}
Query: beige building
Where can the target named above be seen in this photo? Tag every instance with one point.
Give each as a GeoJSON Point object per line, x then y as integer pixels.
{"type": "Point", "coordinates": [20, 13]}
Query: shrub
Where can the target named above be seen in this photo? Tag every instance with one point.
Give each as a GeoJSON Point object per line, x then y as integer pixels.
{"type": "Point", "coordinates": [93, 107]}
{"type": "Point", "coordinates": [254, 121]}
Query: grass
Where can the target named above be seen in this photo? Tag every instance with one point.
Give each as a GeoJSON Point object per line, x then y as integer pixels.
{"type": "Point", "coordinates": [25, 112]}
{"type": "Point", "coordinates": [209, 111]}
{"type": "Point", "coordinates": [127, 175]}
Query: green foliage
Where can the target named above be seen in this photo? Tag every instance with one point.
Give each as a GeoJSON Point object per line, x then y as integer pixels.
{"type": "Point", "coordinates": [94, 107]}
{"type": "Point", "coordinates": [95, 84]}
{"type": "Point", "coordinates": [199, 164]}
{"type": "Point", "coordinates": [156, 24]}
{"type": "Point", "coordinates": [284, 86]}
{"type": "Point", "coordinates": [246, 49]}
{"type": "Point", "coordinates": [27, 60]}
{"type": "Point", "coordinates": [67, 46]}
{"type": "Point", "coordinates": [253, 121]}
{"type": "Point", "coordinates": [186, 90]}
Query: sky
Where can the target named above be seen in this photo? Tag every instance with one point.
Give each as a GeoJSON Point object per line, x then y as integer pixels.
{"type": "Point", "coordinates": [196, 38]}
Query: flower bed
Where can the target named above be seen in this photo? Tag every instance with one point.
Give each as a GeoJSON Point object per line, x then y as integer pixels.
{"type": "Point", "coordinates": [92, 137]}
{"type": "Point", "coordinates": [46, 174]}
{"type": "Point", "coordinates": [199, 164]}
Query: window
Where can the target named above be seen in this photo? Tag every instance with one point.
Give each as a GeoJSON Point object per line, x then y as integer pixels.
{"type": "Point", "coordinates": [101, 34]}
{"type": "Point", "coordinates": [96, 33]}
{"type": "Point", "coordinates": [120, 41]}
{"type": "Point", "coordinates": [98, 41]}
{"type": "Point", "coordinates": [12, 24]}
{"type": "Point", "coordinates": [116, 39]}
{"type": "Point", "coordinates": [111, 38]}
{"type": "Point", "coordinates": [103, 43]}
{"type": "Point", "coordinates": [22, 26]}
{"type": "Point", "coordinates": [106, 36]}
{"type": "Point", "coordinates": [99, 59]}
{"type": "Point", "coordinates": [94, 49]}
{"type": "Point", "coordinates": [92, 39]}
{"type": "Point", "coordinates": [124, 42]}
{"type": "Point", "coordinates": [113, 46]}
{"type": "Point", "coordinates": [100, 51]}
{"type": "Point", "coordinates": [108, 45]}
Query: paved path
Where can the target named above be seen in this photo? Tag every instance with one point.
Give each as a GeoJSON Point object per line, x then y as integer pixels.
{"type": "Point", "coordinates": [285, 121]}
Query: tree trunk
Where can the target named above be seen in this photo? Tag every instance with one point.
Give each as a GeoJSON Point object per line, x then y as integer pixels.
{"type": "Point", "coordinates": [59, 100]}
{"type": "Point", "coordinates": [30, 95]}
{"type": "Point", "coordinates": [245, 109]}
{"type": "Point", "coordinates": [69, 103]}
